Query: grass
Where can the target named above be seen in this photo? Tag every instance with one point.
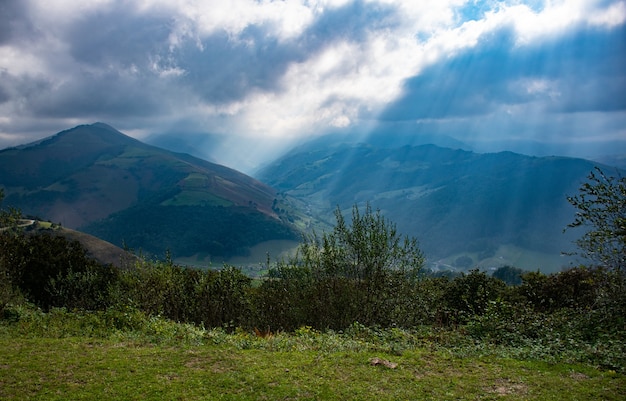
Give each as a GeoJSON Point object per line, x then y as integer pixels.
{"type": "Point", "coordinates": [196, 197]}
{"type": "Point", "coordinates": [128, 356]}
{"type": "Point", "coordinates": [81, 368]}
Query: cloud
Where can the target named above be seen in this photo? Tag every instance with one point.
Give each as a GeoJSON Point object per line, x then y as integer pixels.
{"type": "Point", "coordinates": [582, 72]}
{"type": "Point", "coordinates": [13, 23]}
{"type": "Point", "coordinates": [288, 69]}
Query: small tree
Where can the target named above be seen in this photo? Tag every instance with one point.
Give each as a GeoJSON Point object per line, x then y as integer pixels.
{"type": "Point", "coordinates": [8, 223]}
{"type": "Point", "coordinates": [601, 207]}
{"type": "Point", "coordinates": [357, 272]}
{"type": "Point", "coordinates": [509, 274]}
{"type": "Point", "coordinates": [367, 248]}
{"type": "Point", "coordinates": [8, 218]}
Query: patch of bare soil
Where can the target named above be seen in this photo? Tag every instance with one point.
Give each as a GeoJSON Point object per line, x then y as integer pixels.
{"type": "Point", "coordinates": [508, 387]}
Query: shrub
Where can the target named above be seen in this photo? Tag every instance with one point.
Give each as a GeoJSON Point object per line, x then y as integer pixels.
{"type": "Point", "coordinates": [52, 271]}
{"type": "Point", "coordinates": [510, 275]}
{"type": "Point", "coordinates": [470, 295]}
{"type": "Point", "coordinates": [357, 272]}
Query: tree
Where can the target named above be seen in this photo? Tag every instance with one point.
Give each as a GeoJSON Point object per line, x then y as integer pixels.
{"type": "Point", "coordinates": [366, 249]}
{"type": "Point", "coordinates": [356, 272]}
{"type": "Point", "coordinates": [8, 218]}
{"type": "Point", "coordinates": [509, 274]}
{"type": "Point", "coordinates": [470, 294]}
{"type": "Point", "coordinates": [601, 206]}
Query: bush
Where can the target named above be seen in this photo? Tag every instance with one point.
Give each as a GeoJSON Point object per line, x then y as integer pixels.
{"type": "Point", "coordinates": [183, 294]}
{"type": "Point", "coordinates": [470, 295]}
{"type": "Point", "coordinates": [52, 271]}
{"type": "Point", "coordinates": [574, 288]}
{"type": "Point", "coordinates": [358, 272]}
{"type": "Point", "coordinates": [601, 207]}
{"type": "Point", "coordinates": [510, 275]}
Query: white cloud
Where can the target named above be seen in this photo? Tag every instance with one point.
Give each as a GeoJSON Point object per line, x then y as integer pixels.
{"type": "Point", "coordinates": [613, 16]}
{"type": "Point", "coordinates": [198, 19]}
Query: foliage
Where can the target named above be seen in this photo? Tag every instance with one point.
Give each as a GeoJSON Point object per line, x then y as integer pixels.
{"type": "Point", "coordinates": [574, 288]}
{"type": "Point", "coordinates": [509, 274]}
{"type": "Point", "coordinates": [357, 272]}
{"type": "Point", "coordinates": [601, 206]}
{"type": "Point", "coordinates": [207, 297]}
{"type": "Point", "coordinates": [8, 218]}
{"type": "Point", "coordinates": [8, 292]}
{"type": "Point", "coordinates": [470, 294]}
{"type": "Point", "coordinates": [362, 281]}
{"type": "Point", "coordinates": [52, 271]}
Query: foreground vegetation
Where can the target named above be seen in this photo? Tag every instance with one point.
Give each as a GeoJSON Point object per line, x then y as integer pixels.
{"type": "Point", "coordinates": [352, 315]}
{"type": "Point", "coordinates": [129, 355]}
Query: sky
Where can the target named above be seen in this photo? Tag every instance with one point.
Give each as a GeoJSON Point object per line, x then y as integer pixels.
{"type": "Point", "coordinates": [240, 80]}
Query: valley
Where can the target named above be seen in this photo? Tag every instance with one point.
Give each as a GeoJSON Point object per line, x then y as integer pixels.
{"type": "Point", "coordinates": [488, 210]}
{"type": "Point", "coordinates": [457, 203]}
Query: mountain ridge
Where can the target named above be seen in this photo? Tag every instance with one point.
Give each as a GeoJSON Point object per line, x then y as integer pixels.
{"type": "Point", "coordinates": [456, 202]}
{"type": "Point", "coordinates": [88, 176]}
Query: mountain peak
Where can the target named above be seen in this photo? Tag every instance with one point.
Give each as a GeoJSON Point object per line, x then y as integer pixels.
{"type": "Point", "coordinates": [97, 134]}
{"type": "Point", "coordinates": [95, 176]}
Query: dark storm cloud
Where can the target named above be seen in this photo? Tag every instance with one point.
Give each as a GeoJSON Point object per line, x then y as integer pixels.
{"type": "Point", "coordinates": [594, 73]}
{"type": "Point", "coordinates": [352, 21]}
{"type": "Point", "coordinates": [87, 95]}
{"type": "Point", "coordinates": [583, 72]}
{"type": "Point", "coordinates": [118, 55]}
{"type": "Point", "coordinates": [14, 22]}
{"type": "Point", "coordinates": [111, 70]}
{"type": "Point", "coordinates": [224, 70]}
{"type": "Point", "coordinates": [118, 37]}
{"type": "Point", "coordinates": [106, 96]}
{"type": "Point", "coordinates": [5, 96]}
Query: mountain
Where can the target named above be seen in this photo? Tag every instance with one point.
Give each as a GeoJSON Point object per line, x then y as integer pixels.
{"type": "Point", "coordinates": [616, 160]}
{"type": "Point", "coordinates": [500, 208]}
{"type": "Point", "coordinates": [378, 138]}
{"type": "Point", "coordinates": [98, 180]}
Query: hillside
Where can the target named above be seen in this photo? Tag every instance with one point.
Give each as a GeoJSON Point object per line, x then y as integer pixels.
{"type": "Point", "coordinates": [493, 208]}
{"type": "Point", "coordinates": [98, 180]}
{"type": "Point", "coordinates": [102, 251]}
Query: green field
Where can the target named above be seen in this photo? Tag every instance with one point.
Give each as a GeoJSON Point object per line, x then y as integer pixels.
{"type": "Point", "coordinates": [304, 365]}
{"type": "Point", "coordinates": [196, 198]}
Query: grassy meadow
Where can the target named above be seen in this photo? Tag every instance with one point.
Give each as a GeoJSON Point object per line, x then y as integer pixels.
{"type": "Point", "coordinates": [83, 356]}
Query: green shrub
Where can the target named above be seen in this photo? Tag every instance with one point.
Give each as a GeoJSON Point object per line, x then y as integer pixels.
{"type": "Point", "coordinates": [358, 272]}
{"type": "Point", "coordinates": [509, 274]}
{"type": "Point", "coordinates": [574, 288]}
{"type": "Point", "coordinates": [470, 295]}
{"type": "Point", "coordinates": [52, 271]}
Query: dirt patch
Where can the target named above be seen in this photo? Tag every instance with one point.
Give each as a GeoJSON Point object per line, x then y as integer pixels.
{"type": "Point", "coordinates": [578, 376]}
{"type": "Point", "coordinates": [508, 387]}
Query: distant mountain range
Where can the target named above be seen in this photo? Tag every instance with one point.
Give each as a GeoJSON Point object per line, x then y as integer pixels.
{"type": "Point", "coordinates": [466, 208]}
{"type": "Point", "coordinates": [98, 180]}
{"type": "Point", "coordinates": [495, 209]}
